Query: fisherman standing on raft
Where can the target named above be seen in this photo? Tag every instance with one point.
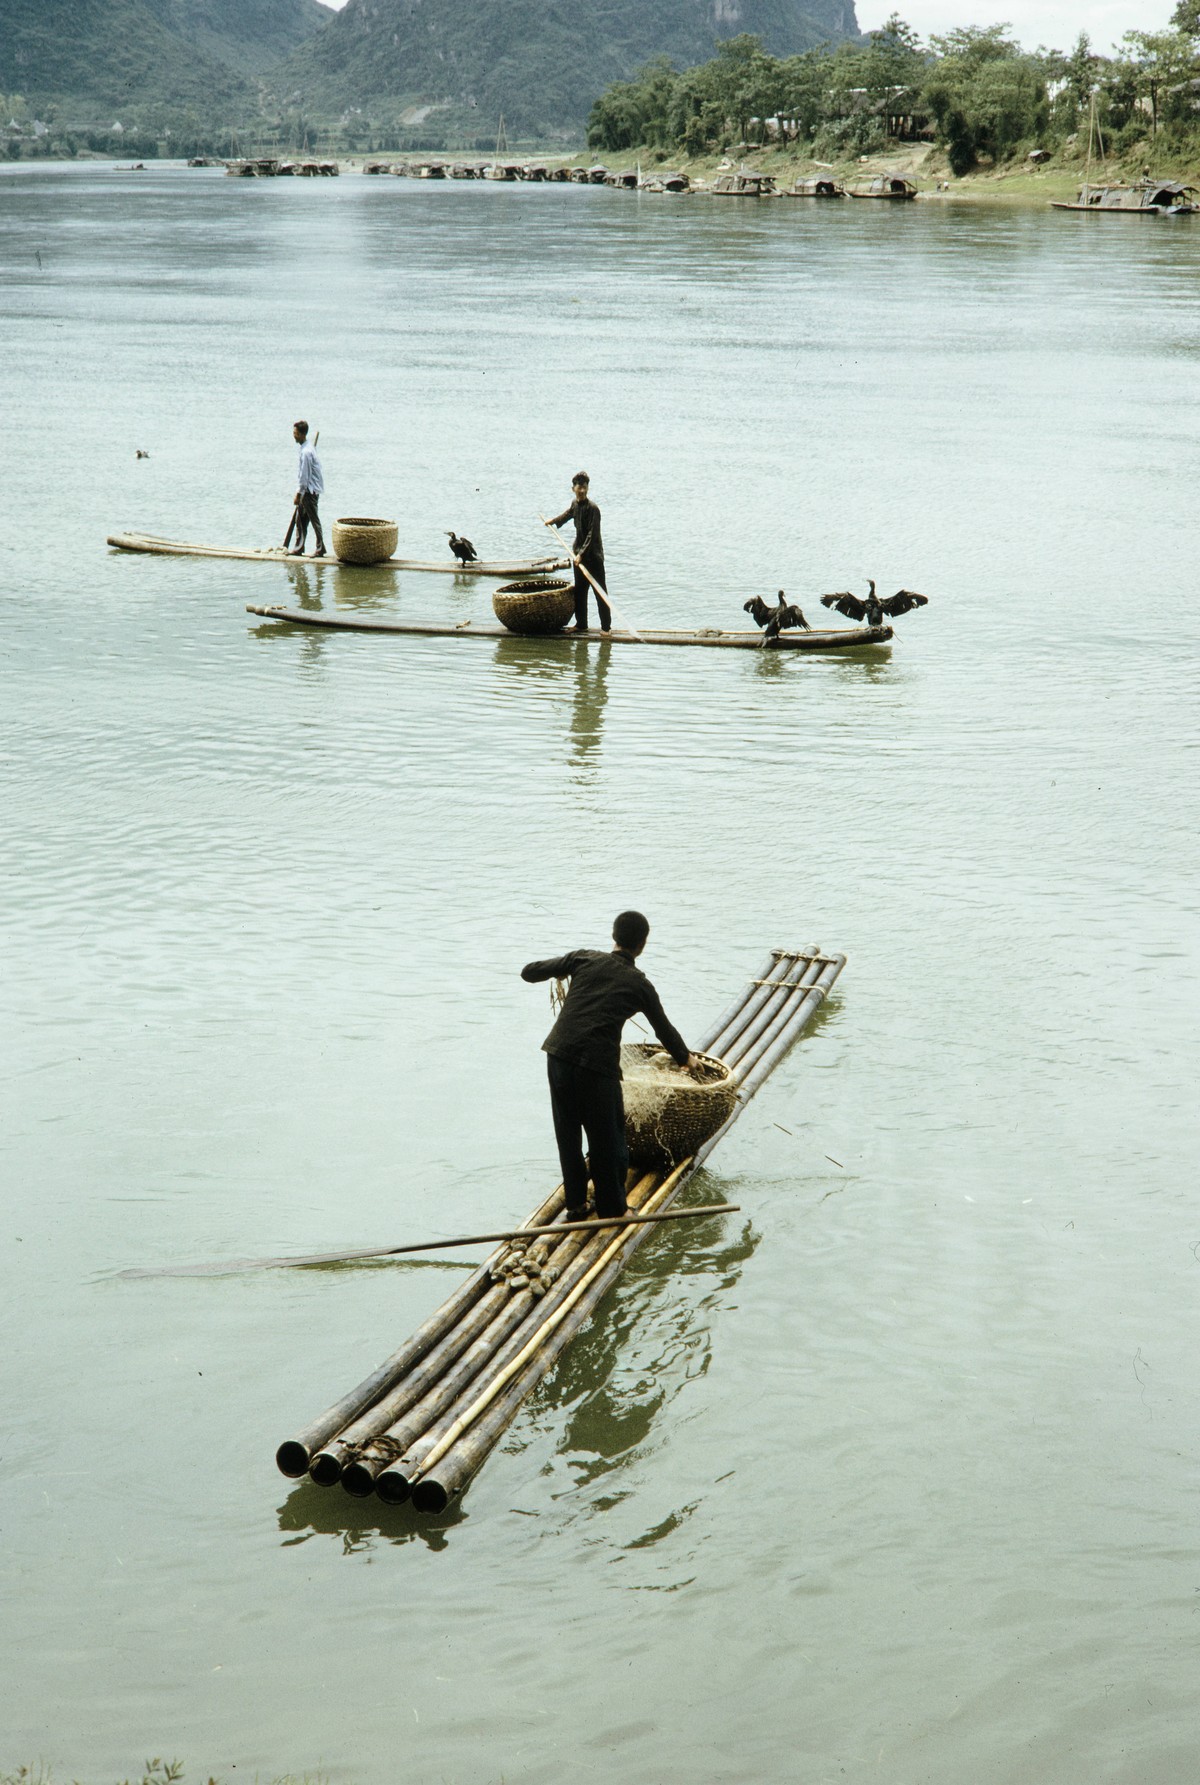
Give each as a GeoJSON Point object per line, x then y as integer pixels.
{"type": "Point", "coordinates": [583, 1061]}
{"type": "Point", "coordinates": [310, 486]}
{"type": "Point", "coordinates": [588, 551]}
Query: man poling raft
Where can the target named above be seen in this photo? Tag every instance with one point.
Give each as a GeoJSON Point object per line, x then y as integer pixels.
{"type": "Point", "coordinates": [588, 554]}
{"type": "Point", "coordinates": [584, 1060]}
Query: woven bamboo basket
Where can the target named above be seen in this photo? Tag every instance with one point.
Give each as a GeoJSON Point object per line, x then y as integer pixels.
{"type": "Point", "coordinates": [359, 540]}
{"type": "Point", "coordinates": [665, 1127]}
{"type": "Point", "coordinates": [542, 604]}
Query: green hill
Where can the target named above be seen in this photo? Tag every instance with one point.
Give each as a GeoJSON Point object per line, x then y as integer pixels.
{"type": "Point", "coordinates": [540, 62]}
{"type": "Point", "coordinates": [118, 54]}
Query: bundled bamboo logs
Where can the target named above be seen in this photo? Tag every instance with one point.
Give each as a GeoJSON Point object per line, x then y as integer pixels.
{"type": "Point", "coordinates": [423, 1422]}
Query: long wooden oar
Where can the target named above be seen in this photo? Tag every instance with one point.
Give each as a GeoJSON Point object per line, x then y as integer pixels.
{"type": "Point", "coordinates": [601, 594]}
{"type": "Point", "coordinates": [557, 1228]}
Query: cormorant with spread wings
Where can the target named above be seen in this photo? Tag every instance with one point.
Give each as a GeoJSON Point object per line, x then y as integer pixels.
{"type": "Point", "coordinates": [463, 550]}
{"type": "Point", "coordinates": [872, 610]}
{"type": "Point", "coordinates": [774, 619]}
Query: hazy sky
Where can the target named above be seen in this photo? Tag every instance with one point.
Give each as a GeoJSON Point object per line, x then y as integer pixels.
{"type": "Point", "coordinates": [1056, 23]}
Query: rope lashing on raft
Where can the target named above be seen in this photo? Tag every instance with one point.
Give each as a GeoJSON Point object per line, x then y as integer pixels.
{"type": "Point", "coordinates": [381, 1449]}
{"type": "Point", "coordinates": [523, 1266]}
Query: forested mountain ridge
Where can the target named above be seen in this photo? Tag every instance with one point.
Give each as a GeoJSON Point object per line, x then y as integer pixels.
{"type": "Point", "coordinates": [121, 53]}
{"type": "Point", "coordinates": [252, 36]}
{"type": "Point", "coordinates": [538, 61]}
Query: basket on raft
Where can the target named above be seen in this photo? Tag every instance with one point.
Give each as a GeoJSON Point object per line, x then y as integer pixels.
{"type": "Point", "coordinates": [541, 604]}
{"type": "Point", "coordinates": [669, 1114]}
{"type": "Point", "coordinates": [359, 540]}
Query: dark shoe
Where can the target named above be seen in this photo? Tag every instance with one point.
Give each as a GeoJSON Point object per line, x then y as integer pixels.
{"type": "Point", "coordinates": [586, 1213]}
{"type": "Point", "coordinates": [319, 553]}
{"type": "Point", "coordinates": [297, 551]}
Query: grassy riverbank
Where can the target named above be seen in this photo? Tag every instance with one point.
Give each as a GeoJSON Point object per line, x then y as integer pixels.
{"type": "Point", "coordinates": [1018, 181]}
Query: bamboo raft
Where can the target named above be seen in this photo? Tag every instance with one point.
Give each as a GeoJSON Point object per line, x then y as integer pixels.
{"type": "Point", "coordinates": [835, 638]}
{"type": "Point", "coordinates": [177, 548]}
{"type": "Point", "coordinates": [421, 1425]}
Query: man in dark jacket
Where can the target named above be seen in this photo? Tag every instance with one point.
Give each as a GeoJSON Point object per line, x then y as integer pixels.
{"type": "Point", "coordinates": [584, 1060]}
{"type": "Point", "coordinates": [589, 552]}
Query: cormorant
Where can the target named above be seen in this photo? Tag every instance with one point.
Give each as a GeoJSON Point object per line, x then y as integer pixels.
{"type": "Point", "coordinates": [873, 610]}
{"type": "Point", "coordinates": [463, 550]}
{"type": "Point", "coordinates": [774, 619]}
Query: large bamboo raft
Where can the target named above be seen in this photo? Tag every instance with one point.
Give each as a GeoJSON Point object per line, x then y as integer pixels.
{"type": "Point", "coordinates": [421, 1425]}
{"type": "Point", "coordinates": [835, 638]}
{"type": "Point", "coordinates": [178, 548]}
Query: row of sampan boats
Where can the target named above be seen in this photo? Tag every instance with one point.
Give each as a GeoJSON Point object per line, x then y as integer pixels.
{"type": "Point", "coordinates": [740, 183]}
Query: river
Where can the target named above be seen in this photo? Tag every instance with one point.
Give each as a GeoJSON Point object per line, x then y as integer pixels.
{"type": "Point", "coordinates": [893, 1475]}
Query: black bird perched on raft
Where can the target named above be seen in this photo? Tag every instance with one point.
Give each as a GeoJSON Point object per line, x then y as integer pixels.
{"type": "Point", "coordinates": [774, 619]}
{"type": "Point", "coordinates": [872, 610]}
{"type": "Point", "coordinates": [463, 550]}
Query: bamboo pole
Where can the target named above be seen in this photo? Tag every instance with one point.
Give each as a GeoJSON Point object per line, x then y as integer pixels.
{"type": "Point", "coordinates": [328, 1465]}
{"type": "Point", "coordinates": [772, 1000]}
{"type": "Point", "coordinates": [441, 1479]}
{"type": "Point", "coordinates": [294, 1454]}
{"type": "Point", "coordinates": [774, 983]}
{"type": "Point", "coordinates": [767, 1020]}
{"type": "Point", "coordinates": [707, 1042]}
{"type": "Point", "coordinates": [547, 1326]}
{"type": "Point", "coordinates": [414, 1435]}
{"type": "Point", "coordinates": [435, 1383]}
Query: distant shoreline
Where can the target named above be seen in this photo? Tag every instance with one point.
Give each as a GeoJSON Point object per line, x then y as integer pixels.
{"type": "Point", "coordinates": [1016, 183]}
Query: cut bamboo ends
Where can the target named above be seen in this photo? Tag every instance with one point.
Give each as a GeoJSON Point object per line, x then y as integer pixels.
{"type": "Point", "coordinates": [422, 1424]}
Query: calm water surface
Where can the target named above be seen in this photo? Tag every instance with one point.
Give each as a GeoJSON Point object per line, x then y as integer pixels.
{"type": "Point", "coordinates": [891, 1477]}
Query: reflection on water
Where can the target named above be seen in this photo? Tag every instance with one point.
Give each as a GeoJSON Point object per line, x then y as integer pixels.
{"type": "Point", "coordinates": [587, 704]}
{"type": "Point", "coordinates": [360, 1525]}
{"type": "Point", "coordinates": [652, 1335]}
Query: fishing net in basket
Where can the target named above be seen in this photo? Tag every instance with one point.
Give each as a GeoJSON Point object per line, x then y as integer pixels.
{"type": "Point", "coordinates": [669, 1113]}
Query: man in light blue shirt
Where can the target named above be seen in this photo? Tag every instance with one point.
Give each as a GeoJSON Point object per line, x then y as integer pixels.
{"type": "Point", "coordinates": [310, 485]}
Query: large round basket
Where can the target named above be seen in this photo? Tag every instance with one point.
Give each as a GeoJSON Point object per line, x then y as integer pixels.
{"type": "Point", "coordinates": [669, 1114]}
{"type": "Point", "coordinates": [544, 604]}
{"type": "Point", "coordinates": [359, 540]}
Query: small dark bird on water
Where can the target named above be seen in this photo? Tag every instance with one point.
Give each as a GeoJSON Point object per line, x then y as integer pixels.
{"type": "Point", "coordinates": [463, 550]}
{"type": "Point", "coordinates": [773, 620]}
{"type": "Point", "coordinates": [140, 454]}
{"type": "Point", "coordinates": [873, 610]}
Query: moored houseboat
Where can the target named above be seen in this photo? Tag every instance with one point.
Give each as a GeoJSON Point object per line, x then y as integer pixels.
{"type": "Point", "coordinates": [815, 188]}
{"type": "Point", "coordinates": [743, 184]}
{"type": "Point", "coordinates": [892, 186]}
{"type": "Point", "coordinates": [1146, 198]}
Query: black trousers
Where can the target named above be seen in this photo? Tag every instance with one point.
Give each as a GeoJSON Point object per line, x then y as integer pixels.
{"type": "Point", "coordinates": [582, 1103]}
{"type": "Point", "coordinates": [307, 515]}
{"type": "Point", "coordinates": [583, 589]}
